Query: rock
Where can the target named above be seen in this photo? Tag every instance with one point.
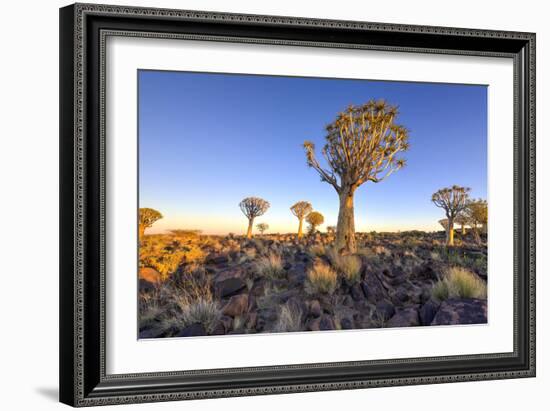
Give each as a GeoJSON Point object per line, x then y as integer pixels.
{"type": "Point", "coordinates": [150, 274]}
{"type": "Point", "coordinates": [264, 318]}
{"type": "Point", "coordinates": [251, 321]}
{"type": "Point", "coordinates": [326, 323]}
{"type": "Point", "coordinates": [219, 330]}
{"type": "Point", "coordinates": [357, 292]}
{"type": "Point", "coordinates": [406, 317]}
{"type": "Point", "coordinates": [461, 311]}
{"type": "Point", "coordinates": [151, 333]}
{"type": "Point", "coordinates": [427, 312]}
{"type": "Point", "coordinates": [315, 308]}
{"type": "Point", "coordinates": [236, 272]}
{"type": "Point", "coordinates": [229, 287]}
{"type": "Point", "coordinates": [346, 323]}
{"type": "Point", "coordinates": [385, 310]}
{"type": "Point", "coordinates": [145, 286]}
{"type": "Point", "coordinates": [194, 330]}
{"type": "Point", "coordinates": [373, 288]}
{"type": "Point", "coordinates": [237, 305]}
{"type": "Point", "coordinates": [425, 272]}
{"type": "Point", "coordinates": [216, 259]}
{"type": "Point", "coordinates": [401, 295]}
{"type": "Point", "coordinates": [297, 274]}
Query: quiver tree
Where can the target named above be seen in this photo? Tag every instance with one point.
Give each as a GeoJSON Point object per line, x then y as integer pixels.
{"type": "Point", "coordinates": [445, 224]}
{"type": "Point", "coordinates": [453, 200]}
{"type": "Point", "coordinates": [253, 207]}
{"type": "Point", "coordinates": [463, 220]}
{"type": "Point", "coordinates": [315, 219]}
{"type": "Point", "coordinates": [362, 144]}
{"type": "Point", "coordinates": [147, 217]}
{"type": "Point", "coordinates": [300, 210]}
{"type": "Point", "coordinates": [262, 227]}
{"type": "Point", "coordinates": [477, 212]}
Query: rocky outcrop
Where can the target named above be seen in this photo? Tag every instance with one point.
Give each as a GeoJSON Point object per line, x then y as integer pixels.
{"type": "Point", "coordinates": [461, 311]}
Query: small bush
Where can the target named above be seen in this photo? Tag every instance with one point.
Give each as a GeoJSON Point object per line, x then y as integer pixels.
{"type": "Point", "coordinates": [348, 265]}
{"type": "Point", "coordinates": [270, 266]}
{"type": "Point", "coordinates": [317, 250]}
{"type": "Point", "coordinates": [321, 279]}
{"type": "Point", "coordinates": [201, 311]}
{"type": "Point", "coordinates": [289, 319]}
{"type": "Point", "coordinates": [459, 283]}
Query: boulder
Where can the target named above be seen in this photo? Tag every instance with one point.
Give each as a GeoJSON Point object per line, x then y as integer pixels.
{"type": "Point", "coordinates": [315, 309]}
{"type": "Point", "coordinates": [427, 312]}
{"type": "Point", "coordinates": [356, 292]}
{"type": "Point", "coordinates": [461, 311]}
{"type": "Point", "coordinates": [229, 287]}
{"type": "Point", "coordinates": [346, 323]}
{"type": "Point", "coordinates": [373, 288]}
{"type": "Point", "coordinates": [150, 274]}
{"type": "Point", "coordinates": [151, 333]}
{"type": "Point", "coordinates": [385, 310]}
{"type": "Point", "coordinates": [193, 330]}
{"type": "Point", "coordinates": [237, 305]}
{"type": "Point", "coordinates": [323, 323]}
{"type": "Point", "coordinates": [217, 259]}
{"type": "Point", "coordinates": [235, 272]}
{"type": "Point", "coordinates": [406, 317]}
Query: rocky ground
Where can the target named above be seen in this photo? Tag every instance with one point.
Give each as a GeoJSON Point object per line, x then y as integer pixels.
{"type": "Point", "coordinates": [193, 285]}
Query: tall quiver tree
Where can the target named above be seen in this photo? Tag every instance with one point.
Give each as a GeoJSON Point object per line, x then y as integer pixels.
{"type": "Point", "coordinates": [362, 145]}
{"type": "Point", "coordinates": [147, 217]}
{"type": "Point", "coordinates": [300, 210]}
{"type": "Point", "coordinates": [253, 207]}
{"type": "Point", "coordinates": [453, 200]}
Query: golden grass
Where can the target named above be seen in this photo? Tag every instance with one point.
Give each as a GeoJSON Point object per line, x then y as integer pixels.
{"type": "Point", "coordinates": [270, 266]}
{"type": "Point", "coordinates": [321, 279]}
{"type": "Point", "coordinates": [348, 265]}
{"type": "Point", "coordinates": [458, 282]}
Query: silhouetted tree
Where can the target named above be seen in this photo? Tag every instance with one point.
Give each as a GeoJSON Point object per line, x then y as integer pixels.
{"type": "Point", "coordinates": [362, 145]}
{"type": "Point", "coordinates": [253, 207]}
{"type": "Point", "coordinates": [453, 200]}
{"type": "Point", "coordinates": [147, 217]}
{"type": "Point", "coordinates": [262, 227]}
{"type": "Point", "coordinates": [315, 219]}
{"type": "Point", "coordinates": [300, 210]}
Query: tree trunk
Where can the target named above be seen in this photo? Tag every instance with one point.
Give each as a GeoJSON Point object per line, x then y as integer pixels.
{"type": "Point", "coordinates": [141, 231]}
{"type": "Point", "coordinates": [300, 233]}
{"type": "Point", "coordinates": [451, 233]}
{"type": "Point", "coordinates": [345, 229]}
{"type": "Point", "coordinates": [250, 225]}
{"type": "Point", "coordinates": [477, 238]}
{"type": "Point", "coordinates": [463, 230]}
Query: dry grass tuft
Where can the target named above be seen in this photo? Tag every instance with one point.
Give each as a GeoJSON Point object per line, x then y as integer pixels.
{"type": "Point", "coordinates": [289, 319]}
{"type": "Point", "coordinates": [270, 266]}
{"type": "Point", "coordinates": [321, 279]}
{"type": "Point", "coordinates": [348, 265]}
{"type": "Point", "coordinates": [458, 282]}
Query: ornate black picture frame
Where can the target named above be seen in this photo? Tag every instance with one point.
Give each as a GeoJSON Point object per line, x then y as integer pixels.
{"type": "Point", "coordinates": [83, 30]}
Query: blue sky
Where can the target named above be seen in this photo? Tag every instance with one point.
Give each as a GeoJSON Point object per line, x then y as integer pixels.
{"type": "Point", "coordinates": [206, 141]}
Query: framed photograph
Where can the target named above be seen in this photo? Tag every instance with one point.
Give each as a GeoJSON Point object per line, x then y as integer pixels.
{"type": "Point", "coordinates": [261, 204]}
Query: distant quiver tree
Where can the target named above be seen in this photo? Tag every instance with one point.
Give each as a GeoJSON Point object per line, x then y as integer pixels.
{"type": "Point", "coordinates": [147, 217]}
{"type": "Point", "coordinates": [300, 210]}
{"type": "Point", "coordinates": [453, 200]}
{"type": "Point", "coordinates": [315, 219]}
{"type": "Point", "coordinates": [362, 144]}
{"type": "Point", "coordinates": [253, 207]}
{"type": "Point", "coordinates": [262, 227]}
{"type": "Point", "coordinates": [477, 213]}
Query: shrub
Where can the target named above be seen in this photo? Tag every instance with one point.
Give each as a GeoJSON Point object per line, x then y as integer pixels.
{"type": "Point", "coordinates": [348, 265]}
{"type": "Point", "coordinates": [321, 279]}
{"type": "Point", "coordinates": [289, 318]}
{"type": "Point", "coordinates": [317, 250]}
{"type": "Point", "coordinates": [270, 266]}
{"type": "Point", "coordinates": [197, 304]}
{"type": "Point", "coordinates": [458, 282]}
